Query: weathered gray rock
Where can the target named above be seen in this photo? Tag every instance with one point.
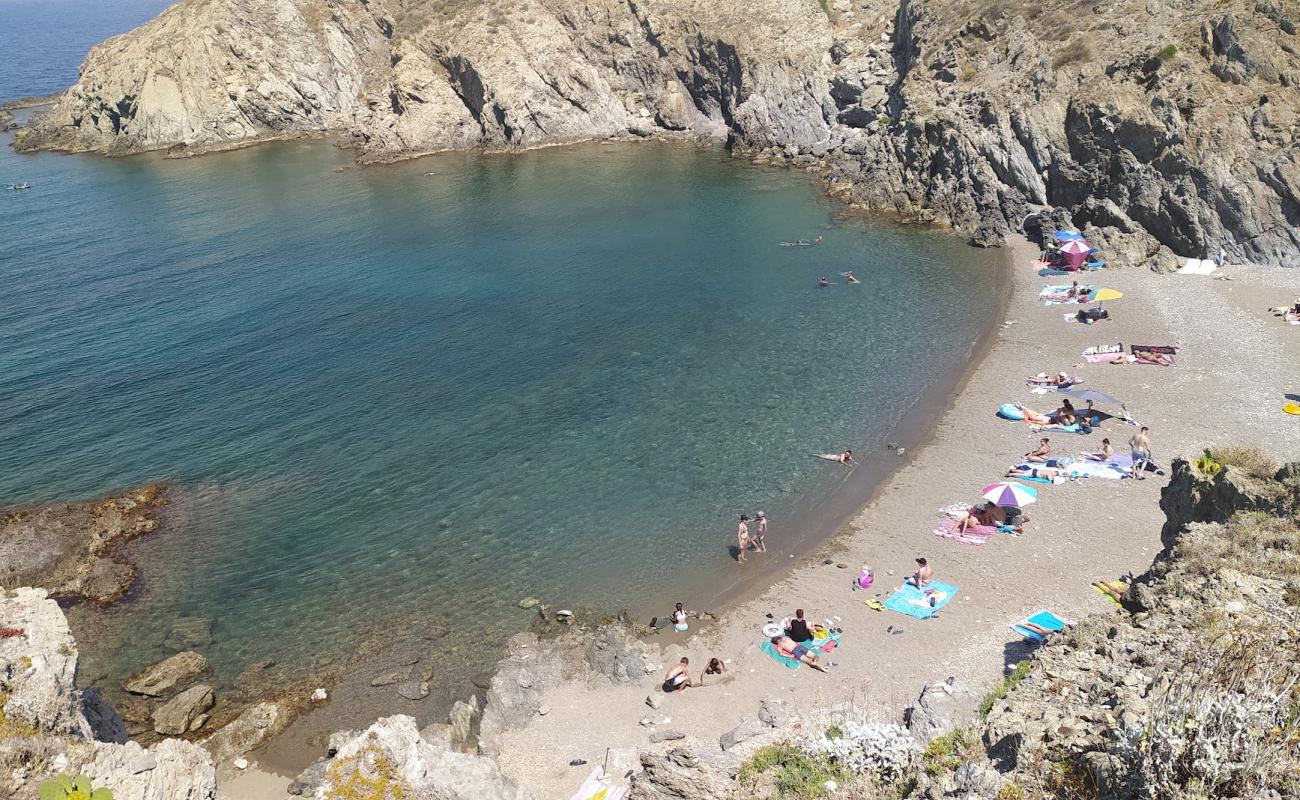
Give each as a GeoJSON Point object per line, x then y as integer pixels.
{"type": "Point", "coordinates": [416, 765]}
{"type": "Point", "coordinates": [184, 712]}
{"type": "Point", "coordinates": [941, 707]}
{"type": "Point", "coordinates": [613, 652]}
{"type": "Point", "coordinates": [255, 725]}
{"type": "Point", "coordinates": [164, 676]}
{"type": "Point", "coordinates": [529, 669]}
{"type": "Point", "coordinates": [747, 728]}
{"type": "Point", "coordinates": [464, 715]}
{"type": "Point", "coordinates": [667, 735]}
{"type": "Point", "coordinates": [679, 774]}
{"type": "Point", "coordinates": [413, 690]}
{"type": "Point", "coordinates": [38, 670]}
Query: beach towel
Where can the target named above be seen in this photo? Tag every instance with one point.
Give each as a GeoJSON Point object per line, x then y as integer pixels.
{"type": "Point", "coordinates": [1043, 619]}
{"type": "Point", "coordinates": [975, 534]}
{"type": "Point", "coordinates": [1057, 295]}
{"type": "Point", "coordinates": [820, 647]}
{"type": "Point", "coordinates": [1099, 469]}
{"type": "Point", "coordinates": [914, 602]}
{"type": "Point", "coordinates": [1119, 586]}
{"type": "Point", "coordinates": [597, 787]}
{"type": "Point", "coordinates": [1197, 266]}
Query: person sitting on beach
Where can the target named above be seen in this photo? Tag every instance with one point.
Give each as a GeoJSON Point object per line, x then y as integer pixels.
{"type": "Point", "coordinates": [1105, 454]}
{"type": "Point", "coordinates": [847, 457]}
{"type": "Point", "coordinates": [851, 278]}
{"type": "Point", "coordinates": [678, 676]}
{"type": "Point", "coordinates": [792, 649]}
{"type": "Point", "coordinates": [923, 575]}
{"type": "Point", "coordinates": [1091, 416]}
{"type": "Point", "coordinates": [798, 628]}
{"type": "Point", "coordinates": [1074, 290]}
{"type": "Point", "coordinates": [1026, 471]}
{"type": "Point", "coordinates": [1010, 516]}
{"type": "Point", "coordinates": [1041, 453]}
{"type": "Point", "coordinates": [1065, 415]}
{"type": "Point", "coordinates": [715, 667]}
{"type": "Point", "coordinates": [823, 282]}
{"type": "Point", "coordinates": [679, 619]}
{"type": "Point", "coordinates": [742, 538]}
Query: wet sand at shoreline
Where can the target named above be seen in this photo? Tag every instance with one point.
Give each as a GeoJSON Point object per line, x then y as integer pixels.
{"type": "Point", "coordinates": [1227, 389]}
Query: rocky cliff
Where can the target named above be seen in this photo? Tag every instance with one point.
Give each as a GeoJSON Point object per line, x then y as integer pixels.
{"type": "Point", "coordinates": [49, 727]}
{"type": "Point", "coordinates": [1163, 128]}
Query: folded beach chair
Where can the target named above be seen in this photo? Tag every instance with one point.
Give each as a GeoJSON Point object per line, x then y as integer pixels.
{"type": "Point", "coordinates": [1043, 619]}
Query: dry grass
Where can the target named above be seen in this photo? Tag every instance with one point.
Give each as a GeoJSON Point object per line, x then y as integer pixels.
{"type": "Point", "coordinates": [1251, 542]}
{"type": "Point", "coordinates": [1246, 460]}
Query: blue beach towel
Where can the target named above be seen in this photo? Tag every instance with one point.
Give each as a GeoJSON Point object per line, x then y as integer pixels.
{"type": "Point", "coordinates": [914, 602]}
{"type": "Point", "coordinates": [766, 647]}
{"type": "Point", "coordinates": [1043, 619]}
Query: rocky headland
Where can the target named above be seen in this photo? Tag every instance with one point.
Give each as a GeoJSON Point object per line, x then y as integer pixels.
{"type": "Point", "coordinates": [1161, 129]}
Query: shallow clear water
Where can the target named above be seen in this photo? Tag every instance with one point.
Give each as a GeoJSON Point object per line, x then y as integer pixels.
{"type": "Point", "coordinates": [434, 388]}
{"type": "Point", "coordinates": [42, 42]}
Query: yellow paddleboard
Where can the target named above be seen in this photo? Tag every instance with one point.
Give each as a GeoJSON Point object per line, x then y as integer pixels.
{"type": "Point", "coordinates": [1292, 408]}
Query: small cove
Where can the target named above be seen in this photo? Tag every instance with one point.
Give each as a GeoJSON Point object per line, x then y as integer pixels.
{"type": "Point", "coordinates": [424, 391]}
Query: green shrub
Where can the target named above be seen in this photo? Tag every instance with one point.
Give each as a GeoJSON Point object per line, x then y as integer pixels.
{"type": "Point", "coordinates": [1167, 52]}
{"type": "Point", "coordinates": [63, 787]}
{"type": "Point", "coordinates": [798, 775]}
{"type": "Point", "coordinates": [1246, 459]}
{"type": "Point", "coordinates": [948, 752]}
{"type": "Point", "coordinates": [1004, 687]}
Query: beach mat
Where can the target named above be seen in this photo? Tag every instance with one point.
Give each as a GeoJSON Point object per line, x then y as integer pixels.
{"type": "Point", "coordinates": [975, 534]}
{"type": "Point", "coordinates": [1043, 619]}
{"type": "Point", "coordinates": [1119, 586]}
{"type": "Point", "coordinates": [820, 647]}
{"type": "Point", "coordinates": [1099, 469]}
{"type": "Point", "coordinates": [914, 602]}
{"type": "Point", "coordinates": [596, 788]}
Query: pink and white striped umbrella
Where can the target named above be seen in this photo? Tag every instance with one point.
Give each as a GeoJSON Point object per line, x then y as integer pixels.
{"type": "Point", "coordinates": [1009, 493]}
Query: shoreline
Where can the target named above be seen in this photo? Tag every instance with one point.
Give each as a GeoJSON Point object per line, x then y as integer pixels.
{"type": "Point", "coordinates": [1080, 532]}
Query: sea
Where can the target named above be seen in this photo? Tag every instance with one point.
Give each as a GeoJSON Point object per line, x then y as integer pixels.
{"type": "Point", "coordinates": [429, 390]}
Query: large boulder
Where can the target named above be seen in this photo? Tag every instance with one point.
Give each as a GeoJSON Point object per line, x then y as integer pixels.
{"type": "Point", "coordinates": [158, 680]}
{"type": "Point", "coordinates": [939, 709]}
{"type": "Point", "coordinates": [250, 729]}
{"type": "Point", "coordinates": [412, 765]}
{"type": "Point", "coordinates": [170, 770]}
{"type": "Point", "coordinates": [613, 652]}
{"type": "Point", "coordinates": [185, 712]}
{"type": "Point", "coordinates": [679, 774]}
{"type": "Point", "coordinates": [38, 668]}
{"type": "Point", "coordinates": [528, 670]}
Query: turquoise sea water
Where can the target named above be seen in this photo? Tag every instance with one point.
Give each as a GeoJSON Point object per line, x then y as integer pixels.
{"type": "Point", "coordinates": [424, 391]}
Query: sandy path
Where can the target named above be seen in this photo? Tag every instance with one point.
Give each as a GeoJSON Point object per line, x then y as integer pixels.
{"type": "Point", "coordinates": [1236, 366]}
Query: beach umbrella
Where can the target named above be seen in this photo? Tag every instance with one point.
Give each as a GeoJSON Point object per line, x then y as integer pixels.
{"type": "Point", "coordinates": [1008, 493]}
{"type": "Point", "coordinates": [1106, 294]}
{"type": "Point", "coordinates": [1089, 394]}
{"type": "Point", "coordinates": [1076, 252]}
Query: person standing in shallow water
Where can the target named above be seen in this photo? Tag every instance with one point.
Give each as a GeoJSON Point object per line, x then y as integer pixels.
{"type": "Point", "coordinates": [742, 537]}
{"type": "Point", "coordinates": [760, 532]}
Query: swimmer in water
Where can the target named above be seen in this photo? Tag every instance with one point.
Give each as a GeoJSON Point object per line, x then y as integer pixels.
{"type": "Point", "coordinates": [851, 277]}
{"type": "Point", "coordinates": [847, 457]}
{"type": "Point", "coordinates": [823, 282]}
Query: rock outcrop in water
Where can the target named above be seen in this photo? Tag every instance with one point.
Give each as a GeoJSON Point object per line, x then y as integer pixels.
{"type": "Point", "coordinates": [1161, 128]}
{"type": "Point", "coordinates": [48, 726]}
{"type": "Point", "coordinates": [67, 548]}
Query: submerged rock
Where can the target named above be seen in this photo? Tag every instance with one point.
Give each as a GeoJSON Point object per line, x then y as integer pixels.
{"type": "Point", "coordinates": [171, 673]}
{"type": "Point", "coordinates": [185, 712]}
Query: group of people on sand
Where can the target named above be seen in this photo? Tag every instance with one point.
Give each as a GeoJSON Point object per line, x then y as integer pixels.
{"type": "Point", "coordinates": [795, 639]}
{"type": "Point", "coordinates": [679, 674]}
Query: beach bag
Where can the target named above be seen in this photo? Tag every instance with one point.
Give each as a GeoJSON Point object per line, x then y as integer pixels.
{"type": "Point", "coordinates": [866, 578]}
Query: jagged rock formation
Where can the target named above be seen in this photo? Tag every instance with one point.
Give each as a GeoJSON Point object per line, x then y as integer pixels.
{"type": "Point", "coordinates": [48, 726]}
{"type": "Point", "coordinates": [66, 548]}
{"type": "Point", "coordinates": [1163, 128]}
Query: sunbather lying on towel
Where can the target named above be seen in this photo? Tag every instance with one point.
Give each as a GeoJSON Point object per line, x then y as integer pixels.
{"type": "Point", "coordinates": [1033, 417]}
{"type": "Point", "coordinates": [1110, 590]}
{"type": "Point", "coordinates": [1090, 315]}
{"type": "Point", "coordinates": [1027, 471]}
{"type": "Point", "coordinates": [791, 649]}
{"type": "Point", "coordinates": [1038, 629]}
{"type": "Point", "coordinates": [1009, 516]}
{"type": "Point", "coordinates": [1059, 379]}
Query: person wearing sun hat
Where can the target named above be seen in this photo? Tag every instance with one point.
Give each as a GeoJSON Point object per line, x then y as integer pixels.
{"type": "Point", "coordinates": [760, 530]}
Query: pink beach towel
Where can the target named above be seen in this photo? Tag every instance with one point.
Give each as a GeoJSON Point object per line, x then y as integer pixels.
{"type": "Point", "coordinates": [975, 534]}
